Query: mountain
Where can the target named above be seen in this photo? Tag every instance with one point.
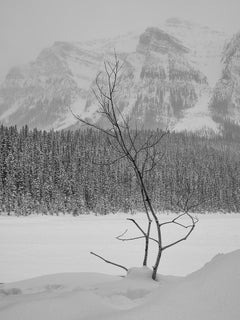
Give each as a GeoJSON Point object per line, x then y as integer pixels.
{"type": "Point", "coordinates": [205, 46]}
{"type": "Point", "coordinates": [225, 103]}
{"type": "Point", "coordinates": [161, 83]}
{"type": "Point", "coordinates": [40, 93]}
{"type": "Point", "coordinates": [168, 76]}
{"type": "Point", "coordinates": [205, 53]}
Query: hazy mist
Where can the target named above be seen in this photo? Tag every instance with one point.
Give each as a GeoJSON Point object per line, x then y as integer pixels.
{"type": "Point", "coordinates": [27, 26]}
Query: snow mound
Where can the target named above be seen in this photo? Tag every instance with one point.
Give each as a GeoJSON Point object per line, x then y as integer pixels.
{"type": "Point", "coordinates": [212, 293]}
{"type": "Point", "coordinates": [227, 264]}
{"type": "Point", "coordinates": [139, 273]}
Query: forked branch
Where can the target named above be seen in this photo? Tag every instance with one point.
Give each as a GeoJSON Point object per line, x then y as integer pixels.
{"type": "Point", "coordinates": [194, 221]}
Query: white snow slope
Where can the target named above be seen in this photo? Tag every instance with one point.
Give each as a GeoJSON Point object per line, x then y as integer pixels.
{"type": "Point", "coordinates": [212, 293]}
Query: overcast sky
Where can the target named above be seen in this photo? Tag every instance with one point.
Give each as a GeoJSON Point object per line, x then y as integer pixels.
{"type": "Point", "coordinates": [27, 26]}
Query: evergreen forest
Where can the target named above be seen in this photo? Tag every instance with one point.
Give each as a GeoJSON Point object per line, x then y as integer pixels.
{"type": "Point", "coordinates": [74, 172]}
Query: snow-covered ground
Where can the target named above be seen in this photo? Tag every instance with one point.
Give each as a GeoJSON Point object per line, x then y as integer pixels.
{"type": "Point", "coordinates": [38, 245]}
{"type": "Point", "coordinates": [78, 289]}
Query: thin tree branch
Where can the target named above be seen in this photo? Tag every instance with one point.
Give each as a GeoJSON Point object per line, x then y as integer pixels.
{"type": "Point", "coordinates": [110, 262]}
{"type": "Point", "coordinates": [134, 238]}
{"type": "Point", "coordinates": [130, 239]}
{"type": "Point", "coordinates": [138, 226]}
{"type": "Point", "coordinates": [122, 234]}
{"type": "Point", "coordinates": [186, 236]}
{"type": "Point", "coordinates": [172, 221]}
{"type": "Point", "coordinates": [87, 123]}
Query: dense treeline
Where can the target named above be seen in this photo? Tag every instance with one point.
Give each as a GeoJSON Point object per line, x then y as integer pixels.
{"type": "Point", "coordinates": [67, 171]}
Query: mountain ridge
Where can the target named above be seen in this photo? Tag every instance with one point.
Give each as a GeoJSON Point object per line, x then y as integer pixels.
{"type": "Point", "coordinates": [170, 77]}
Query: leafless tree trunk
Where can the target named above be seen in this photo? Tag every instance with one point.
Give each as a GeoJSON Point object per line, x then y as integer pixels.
{"type": "Point", "coordinates": [142, 157]}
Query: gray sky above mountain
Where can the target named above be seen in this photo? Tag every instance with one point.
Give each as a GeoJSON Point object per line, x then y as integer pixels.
{"type": "Point", "coordinates": [27, 26]}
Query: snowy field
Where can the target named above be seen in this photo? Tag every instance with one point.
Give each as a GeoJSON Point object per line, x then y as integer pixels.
{"type": "Point", "coordinates": [77, 289]}
{"type": "Point", "coordinates": [38, 245]}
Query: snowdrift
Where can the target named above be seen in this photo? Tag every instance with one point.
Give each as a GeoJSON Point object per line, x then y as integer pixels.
{"type": "Point", "coordinates": [210, 293]}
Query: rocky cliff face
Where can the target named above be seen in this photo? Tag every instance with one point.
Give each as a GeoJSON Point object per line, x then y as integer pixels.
{"type": "Point", "coordinates": [225, 103]}
{"type": "Point", "coordinates": [205, 46]}
{"type": "Point", "coordinates": [167, 79]}
{"type": "Point", "coordinates": [166, 83]}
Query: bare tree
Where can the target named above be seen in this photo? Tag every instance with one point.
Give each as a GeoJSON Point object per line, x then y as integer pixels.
{"type": "Point", "coordinates": [141, 156]}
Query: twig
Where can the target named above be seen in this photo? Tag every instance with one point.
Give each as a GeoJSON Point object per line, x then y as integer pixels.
{"type": "Point", "coordinates": [110, 262]}
{"type": "Point", "coordinates": [138, 226]}
{"type": "Point", "coordinates": [145, 235]}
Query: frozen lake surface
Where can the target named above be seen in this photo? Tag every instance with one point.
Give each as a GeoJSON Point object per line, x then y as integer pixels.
{"type": "Point", "coordinates": [38, 245]}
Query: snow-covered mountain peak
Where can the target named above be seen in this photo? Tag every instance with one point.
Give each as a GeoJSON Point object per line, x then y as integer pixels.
{"type": "Point", "coordinates": [178, 22]}
{"type": "Point", "coordinates": [122, 43]}
{"type": "Point", "coordinates": [205, 45]}
{"type": "Point", "coordinates": [170, 71]}
{"type": "Point", "coordinates": [155, 39]}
